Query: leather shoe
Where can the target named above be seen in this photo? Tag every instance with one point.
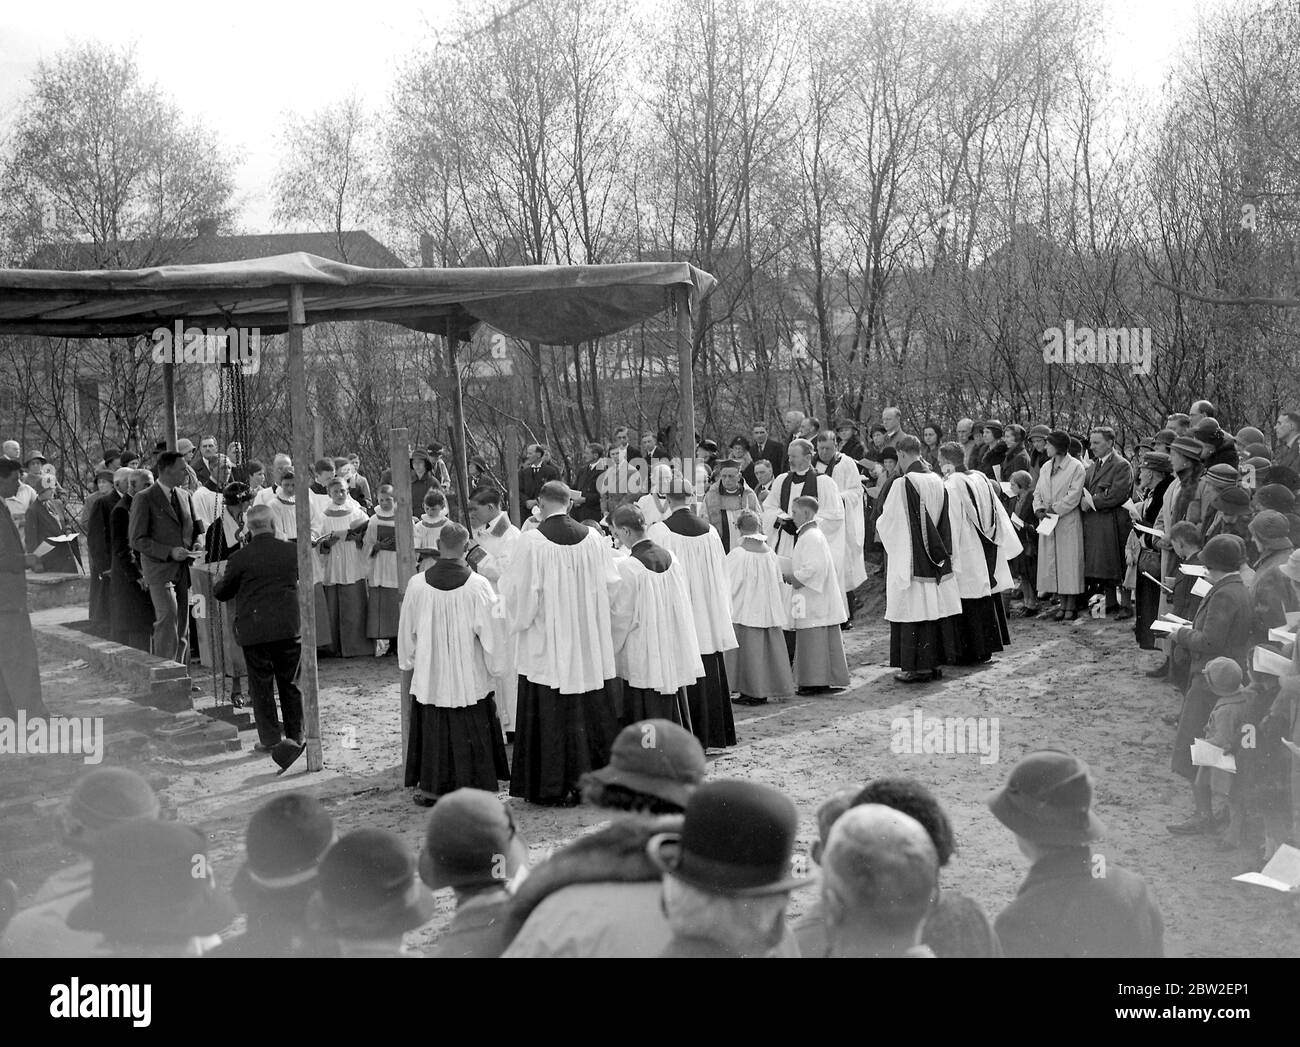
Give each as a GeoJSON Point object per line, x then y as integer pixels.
{"type": "Point", "coordinates": [745, 699]}
{"type": "Point", "coordinates": [1196, 825]}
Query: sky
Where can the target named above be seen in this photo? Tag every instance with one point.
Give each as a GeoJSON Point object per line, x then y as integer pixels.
{"type": "Point", "coordinates": [239, 66]}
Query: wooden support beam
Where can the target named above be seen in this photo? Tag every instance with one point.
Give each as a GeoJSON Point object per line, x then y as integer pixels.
{"type": "Point", "coordinates": [302, 462]}
{"type": "Point", "coordinates": [399, 466]}
{"type": "Point", "coordinates": [685, 377]}
{"type": "Point", "coordinates": [459, 448]}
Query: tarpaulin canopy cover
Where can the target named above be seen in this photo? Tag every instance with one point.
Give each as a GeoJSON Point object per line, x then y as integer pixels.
{"type": "Point", "coordinates": [556, 305]}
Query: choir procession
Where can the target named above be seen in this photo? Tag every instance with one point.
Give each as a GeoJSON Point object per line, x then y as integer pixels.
{"type": "Point", "coordinates": [621, 479]}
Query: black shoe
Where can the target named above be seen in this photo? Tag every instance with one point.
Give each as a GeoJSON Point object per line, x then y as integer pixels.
{"type": "Point", "coordinates": [421, 800]}
{"type": "Point", "coordinates": [745, 699]}
{"type": "Point", "coordinates": [846, 626]}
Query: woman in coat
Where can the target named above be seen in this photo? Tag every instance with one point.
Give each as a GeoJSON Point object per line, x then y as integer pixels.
{"type": "Point", "coordinates": [1060, 554]}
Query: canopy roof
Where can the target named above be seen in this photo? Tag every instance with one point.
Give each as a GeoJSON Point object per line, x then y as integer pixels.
{"type": "Point", "coordinates": [556, 305]}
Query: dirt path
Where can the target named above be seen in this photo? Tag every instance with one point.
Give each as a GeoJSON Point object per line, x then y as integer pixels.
{"type": "Point", "coordinates": [1078, 687]}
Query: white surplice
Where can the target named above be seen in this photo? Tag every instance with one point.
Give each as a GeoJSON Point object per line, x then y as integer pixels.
{"type": "Point", "coordinates": [285, 514]}
{"type": "Point", "coordinates": [907, 599]}
{"type": "Point", "coordinates": [852, 567]}
{"type": "Point", "coordinates": [830, 513]}
{"type": "Point", "coordinates": [653, 507]}
{"type": "Point", "coordinates": [498, 540]}
{"type": "Point", "coordinates": [703, 562]}
{"type": "Point", "coordinates": [381, 568]}
{"type": "Point", "coordinates": [449, 638]}
{"type": "Point", "coordinates": [969, 520]}
{"type": "Point", "coordinates": [760, 597]}
{"type": "Point", "coordinates": [819, 600]}
{"type": "Point", "coordinates": [557, 601]}
{"type": "Point", "coordinates": [653, 629]}
{"type": "Point", "coordinates": [207, 505]}
{"type": "Point", "coordinates": [426, 530]}
{"type": "Point", "coordinates": [343, 564]}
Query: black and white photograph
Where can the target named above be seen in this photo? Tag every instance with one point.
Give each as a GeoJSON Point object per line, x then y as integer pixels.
{"type": "Point", "coordinates": [613, 479]}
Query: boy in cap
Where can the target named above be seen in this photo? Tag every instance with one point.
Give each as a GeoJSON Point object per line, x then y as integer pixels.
{"type": "Point", "coordinates": [153, 892]}
{"type": "Point", "coordinates": [368, 896]}
{"type": "Point", "coordinates": [286, 839]}
{"type": "Point", "coordinates": [471, 845]}
{"type": "Point", "coordinates": [1064, 908]}
{"type": "Point", "coordinates": [1223, 677]}
{"type": "Point", "coordinates": [101, 799]}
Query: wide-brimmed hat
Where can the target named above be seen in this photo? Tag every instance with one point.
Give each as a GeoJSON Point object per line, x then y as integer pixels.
{"type": "Point", "coordinates": [1292, 566]}
{"type": "Point", "coordinates": [1232, 501]}
{"type": "Point", "coordinates": [1224, 552]}
{"type": "Point", "coordinates": [1048, 799]}
{"type": "Point", "coordinates": [1222, 676]}
{"type": "Point", "coordinates": [367, 887]}
{"type": "Point", "coordinates": [1187, 446]}
{"type": "Point", "coordinates": [470, 832]}
{"type": "Point", "coordinates": [1276, 497]}
{"type": "Point", "coordinates": [656, 758]}
{"type": "Point", "coordinates": [285, 841]}
{"type": "Point", "coordinates": [1271, 528]}
{"type": "Point", "coordinates": [737, 839]}
{"type": "Point", "coordinates": [144, 889]}
{"type": "Point", "coordinates": [1157, 462]}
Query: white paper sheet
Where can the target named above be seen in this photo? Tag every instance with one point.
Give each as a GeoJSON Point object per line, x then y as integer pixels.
{"type": "Point", "coordinates": [1201, 588]}
{"type": "Point", "coordinates": [1282, 873]}
{"type": "Point", "coordinates": [1047, 524]}
{"type": "Point", "coordinates": [1154, 532]}
{"type": "Point", "coordinates": [1266, 661]}
{"type": "Point", "coordinates": [1206, 754]}
{"type": "Point", "coordinates": [1194, 569]}
{"type": "Point", "coordinates": [1017, 522]}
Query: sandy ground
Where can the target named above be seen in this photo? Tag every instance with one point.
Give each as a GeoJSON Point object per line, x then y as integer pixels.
{"type": "Point", "coordinates": [1076, 686]}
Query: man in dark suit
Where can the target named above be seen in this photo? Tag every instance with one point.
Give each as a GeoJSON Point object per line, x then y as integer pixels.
{"type": "Point", "coordinates": [262, 579]}
{"type": "Point", "coordinates": [132, 620]}
{"type": "Point", "coordinates": [164, 530]}
{"type": "Point", "coordinates": [762, 446]}
{"type": "Point", "coordinates": [537, 470]}
{"type": "Point", "coordinates": [1108, 483]}
{"type": "Point", "coordinates": [20, 674]}
{"type": "Point", "coordinates": [94, 522]}
{"type": "Point", "coordinates": [1073, 903]}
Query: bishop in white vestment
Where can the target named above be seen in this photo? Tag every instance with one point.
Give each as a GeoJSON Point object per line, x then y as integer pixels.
{"type": "Point", "coordinates": [802, 480]}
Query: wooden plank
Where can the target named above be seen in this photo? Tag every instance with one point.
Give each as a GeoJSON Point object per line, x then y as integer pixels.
{"type": "Point", "coordinates": [307, 678]}
{"type": "Point", "coordinates": [399, 465]}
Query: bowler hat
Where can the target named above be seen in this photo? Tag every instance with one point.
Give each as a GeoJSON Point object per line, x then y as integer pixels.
{"type": "Point", "coordinates": [1040, 430]}
{"type": "Point", "coordinates": [470, 832]}
{"type": "Point", "coordinates": [1208, 431]}
{"type": "Point", "coordinates": [1223, 675]}
{"type": "Point", "coordinates": [1232, 501]}
{"type": "Point", "coordinates": [1157, 462]}
{"type": "Point", "coordinates": [1048, 799]}
{"type": "Point", "coordinates": [1224, 552]}
{"type": "Point", "coordinates": [285, 841]}
{"type": "Point", "coordinates": [657, 758]}
{"type": "Point", "coordinates": [367, 888]}
{"type": "Point", "coordinates": [151, 884]}
{"type": "Point", "coordinates": [737, 839]}
{"type": "Point", "coordinates": [1187, 446]}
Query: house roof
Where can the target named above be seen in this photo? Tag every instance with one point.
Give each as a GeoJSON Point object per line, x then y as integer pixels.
{"type": "Point", "coordinates": [556, 305]}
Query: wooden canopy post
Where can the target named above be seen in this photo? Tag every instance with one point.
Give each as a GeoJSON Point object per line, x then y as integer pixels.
{"type": "Point", "coordinates": [169, 405]}
{"type": "Point", "coordinates": [685, 377]}
{"type": "Point", "coordinates": [399, 467]}
{"type": "Point", "coordinates": [458, 409]}
{"type": "Point", "coordinates": [301, 419]}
